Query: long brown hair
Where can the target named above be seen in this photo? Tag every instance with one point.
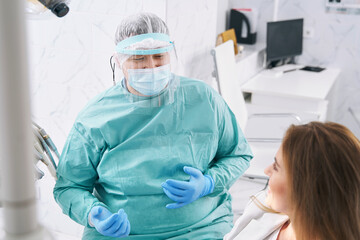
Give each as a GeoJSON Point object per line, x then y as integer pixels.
{"type": "Point", "coordinates": [323, 166]}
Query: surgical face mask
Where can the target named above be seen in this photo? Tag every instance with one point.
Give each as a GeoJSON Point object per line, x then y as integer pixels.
{"type": "Point", "coordinates": [149, 81]}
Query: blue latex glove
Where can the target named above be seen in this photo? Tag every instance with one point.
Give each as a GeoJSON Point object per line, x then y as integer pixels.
{"type": "Point", "coordinates": [185, 192]}
{"type": "Point", "coordinates": [108, 223]}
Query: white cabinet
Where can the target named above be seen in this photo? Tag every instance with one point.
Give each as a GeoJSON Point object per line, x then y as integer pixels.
{"type": "Point", "coordinates": [302, 92]}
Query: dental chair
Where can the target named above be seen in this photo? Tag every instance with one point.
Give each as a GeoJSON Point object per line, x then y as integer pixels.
{"type": "Point", "coordinates": [263, 130]}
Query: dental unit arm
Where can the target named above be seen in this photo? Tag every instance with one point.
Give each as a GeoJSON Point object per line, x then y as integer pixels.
{"type": "Point", "coordinates": [43, 149]}
{"type": "Point", "coordinates": [57, 7]}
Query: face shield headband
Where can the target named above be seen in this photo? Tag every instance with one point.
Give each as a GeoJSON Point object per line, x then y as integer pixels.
{"type": "Point", "coordinates": [126, 46]}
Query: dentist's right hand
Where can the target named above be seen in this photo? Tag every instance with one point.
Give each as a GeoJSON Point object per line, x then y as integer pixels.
{"type": "Point", "coordinates": [108, 223]}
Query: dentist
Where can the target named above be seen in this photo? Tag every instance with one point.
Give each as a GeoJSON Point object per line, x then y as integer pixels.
{"type": "Point", "coordinates": [152, 157]}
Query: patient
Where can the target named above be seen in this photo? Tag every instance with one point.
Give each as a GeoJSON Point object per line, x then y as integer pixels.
{"type": "Point", "coordinates": [313, 191]}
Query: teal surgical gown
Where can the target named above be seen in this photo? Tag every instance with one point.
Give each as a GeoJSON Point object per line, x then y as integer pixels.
{"type": "Point", "coordinates": [119, 152]}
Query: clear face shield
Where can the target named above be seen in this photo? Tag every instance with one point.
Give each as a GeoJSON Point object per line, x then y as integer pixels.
{"type": "Point", "coordinates": [146, 62]}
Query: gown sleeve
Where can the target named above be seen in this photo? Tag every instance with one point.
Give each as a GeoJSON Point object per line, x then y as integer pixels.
{"type": "Point", "coordinates": [77, 175]}
{"type": "Point", "coordinates": [233, 154]}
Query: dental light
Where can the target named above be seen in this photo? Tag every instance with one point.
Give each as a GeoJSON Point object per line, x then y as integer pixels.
{"type": "Point", "coordinates": [41, 7]}
{"type": "Point", "coordinates": [57, 7]}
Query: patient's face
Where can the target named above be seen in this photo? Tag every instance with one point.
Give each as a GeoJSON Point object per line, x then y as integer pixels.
{"type": "Point", "coordinates": [277, 197]}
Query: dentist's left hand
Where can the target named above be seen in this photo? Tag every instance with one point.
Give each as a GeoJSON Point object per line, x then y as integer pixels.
{"type": "Point", "coordinates": [108, 223]}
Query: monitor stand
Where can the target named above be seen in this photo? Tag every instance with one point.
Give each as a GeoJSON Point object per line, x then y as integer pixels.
{"type": "Point", "coordinates": [277, 63]}
{"type": "Point", "coordinates": [275, 69]}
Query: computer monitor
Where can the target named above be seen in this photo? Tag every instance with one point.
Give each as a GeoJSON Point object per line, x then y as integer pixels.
{"type": "Point", "coordinates": [284, 40]}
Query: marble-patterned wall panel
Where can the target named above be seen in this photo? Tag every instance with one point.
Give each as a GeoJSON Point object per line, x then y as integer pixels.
{"type": "Point", "coordinates": [103, 33]}
{"type": "Point", "coordinates": [101, 71]}
{"type": "Point", "coordinates": [58, 82]}
{"type": "Point", "coordinates": [50, 214]}
{"type": "Point", "coordinates": [119, 7]}
{"type": "Point", "coordinates": [193, 27]}
{"type": "Point", "coordinates": [72, 32]}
